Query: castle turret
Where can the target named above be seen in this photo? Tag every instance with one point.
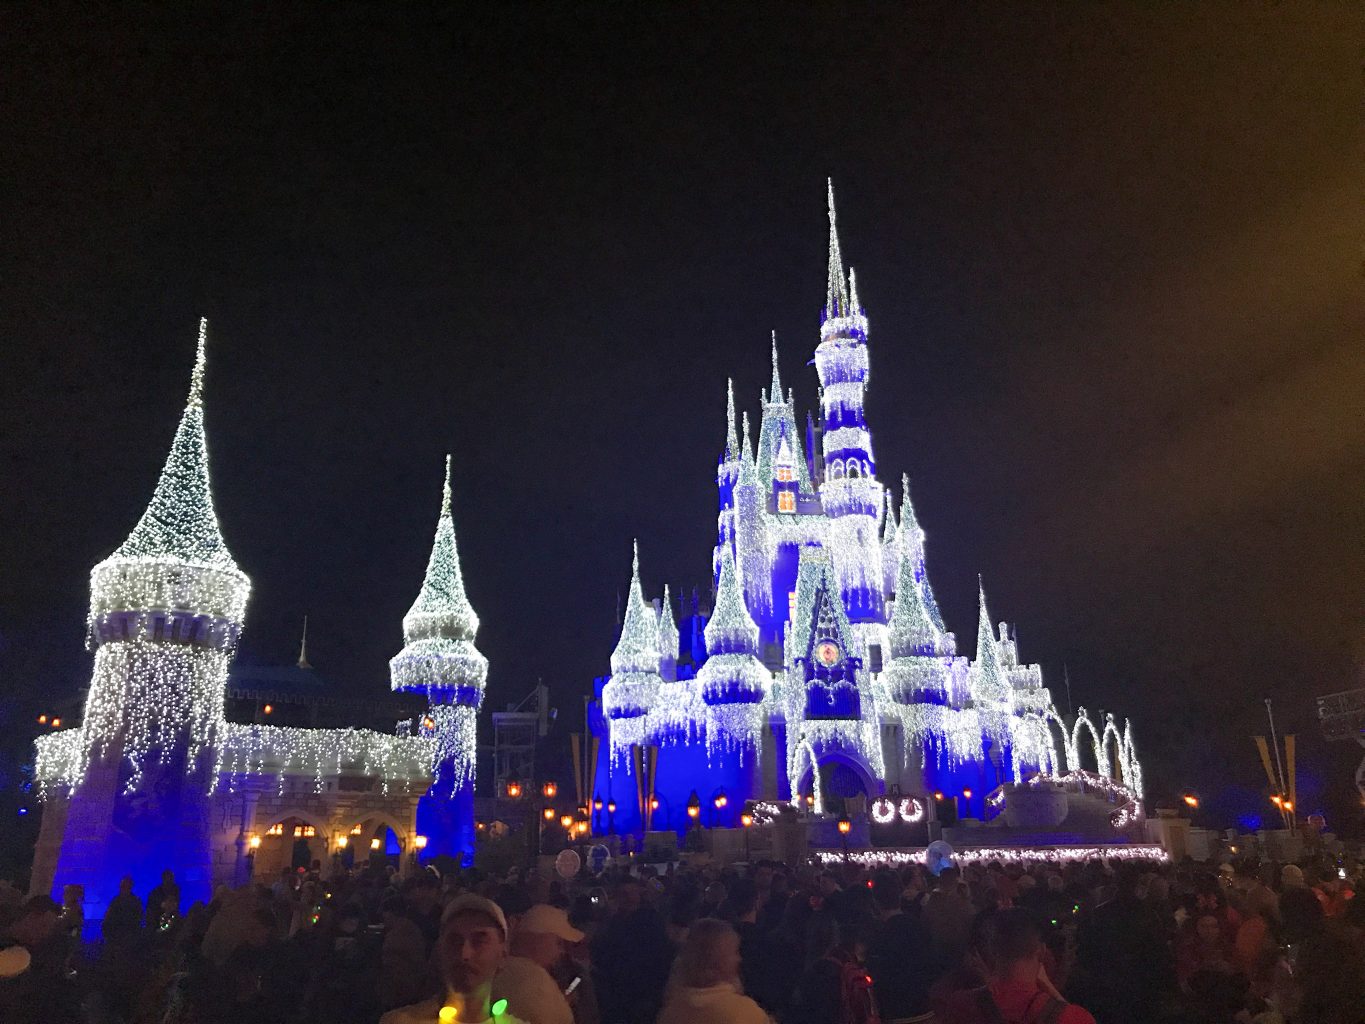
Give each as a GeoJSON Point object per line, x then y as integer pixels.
{"type": "Point", "coordinates": [439, 658]}
{"type": "Point", "coordinates": [166, 612]}
{"type": "Point", "coordinates": [635, 682]}
{"type": "Point", "coordinates": [850, 494]}
{"type": "Point", "coordinates": [734, 684]}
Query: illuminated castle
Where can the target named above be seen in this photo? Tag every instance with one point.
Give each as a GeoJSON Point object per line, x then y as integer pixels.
{"type": "Point", "coordinates": [829, 673]}
{"type": "Point", "coordinates": [157, 777]}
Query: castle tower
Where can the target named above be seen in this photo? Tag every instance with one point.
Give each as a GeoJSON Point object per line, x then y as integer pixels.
{"type": "Point", "coordinates": [727, 475]}
{"type": "Point", "coordinates": [850, 495]}
{"type": "Point", "coordinates": [734, 684]}
{"type": "Point", "coordinates": [166, 611]}
{"type": "Point", "coordinates": [439, 660]}
{"type": "Point", "coordinates": [635, 682]}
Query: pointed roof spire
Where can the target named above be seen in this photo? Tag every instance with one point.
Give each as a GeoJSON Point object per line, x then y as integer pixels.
{"type": "Point", "coordinates": [775, 391]}
{"type": "Point", "coordinates": [889, 529]}
{"type": "Point", "coordinates": [912, 629]}
{"type": "Point", "coordinates": [908, 520]}
{"type": "Point", "coordinates": [668, 627]}
{"type": "Point", "coordinates": [303, 646]}
{"type": "Point", "coordinates": [731, 629]}
{"type": "Point", "coordinates": [836, 291]}
{"type": "Point", "coordinates": [442, 608]}
{"type": "Point", "coordinates": [991, 684]}
{"type": "Point", "coordinates": [854, 306]}
{"type": "Point", "coordinates": [179, 523]}
{"type": "Point", "coordinates": [731, 440]}
{"type": "Point", "coordinates": [638, 648]}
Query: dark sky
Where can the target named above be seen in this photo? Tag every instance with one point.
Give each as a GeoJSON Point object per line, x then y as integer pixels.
{"type": "Point", "coordinates": [1111, 257]}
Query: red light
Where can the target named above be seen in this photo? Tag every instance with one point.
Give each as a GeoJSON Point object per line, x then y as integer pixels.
{"type": "Point", "coordinates": [869, 883]}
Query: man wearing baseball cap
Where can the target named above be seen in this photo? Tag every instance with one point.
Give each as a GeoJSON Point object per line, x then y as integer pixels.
{"type": "Point", "coordinates": [534, 978]}
{"type": "Point", "coordinates": [470, 948]}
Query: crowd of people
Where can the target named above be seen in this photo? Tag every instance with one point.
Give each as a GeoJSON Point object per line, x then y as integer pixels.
{"type": "Point", "coordinates": [838, 944]}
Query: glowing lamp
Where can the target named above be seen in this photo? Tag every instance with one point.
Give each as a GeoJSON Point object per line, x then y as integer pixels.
{"type": "Point", "coordinates": [810, 799]}
{"type": "Point", "coordinates": [513, 789]}
{"type": "Point", "coordinates": [721, 799]}
{"type": "Point", "coordinates": [967, 793]}
{"type": "Point", "coordinates": [448, 1014]}
{"type": "Point", "coordinates": [654, 803]}
{"type": "Point", "coordinates": [938, 797]}
{"type": "Point", "coordinates": [549, 813]}
{"type": "Point", "coordinates": [420, 842]}
{"type": "Point", "coordinates": [597, 804]}
{"type": "Point", "coordinates": [42, 719]}
{"type": "Point", "coordinates": [254, 842]}
{"type": "Point", "coordinates": [694, 805]}
{"type": "Point", "coordinates": [746, 819]}
{"type": "Point", "coordinates": [582, 827]}
{"type": "Point", "coordinates": [1190, 800]}
{"type": "Point", "coordinates": [566, 821]}
{"type": "Point", "coordinates": [611, 806]}
{"type": "Point", "coordinates": [479, 826]}
{"type": "Point", "coordinates": [375, 843]}
{"type": "Point", "coordinates": [1276, 800]}
{"type": "Point", "coordinates": [1288, 805]}
{"type": "Point", "coordinates": [355, 830]}
{"type": "Point", "coordinates": [428, 723]}
{"type": "Point", "coordinates": [269, 709]}
{"type": "Point", "coordinates": [342, 841]}
{"type": "Point", "coordinates": [845, 826]}
{"type": "Point", "coordinates": [549, 790]}
{"type": "Point", "coordinates": [56, 723]}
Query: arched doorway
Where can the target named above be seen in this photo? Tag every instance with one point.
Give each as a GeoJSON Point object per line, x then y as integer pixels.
{"type": "Point", "coordinates": [290, 843]}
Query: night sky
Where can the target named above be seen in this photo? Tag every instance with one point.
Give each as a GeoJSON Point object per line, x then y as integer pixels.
{"type": "Point", "coordinates": [1111, 259]}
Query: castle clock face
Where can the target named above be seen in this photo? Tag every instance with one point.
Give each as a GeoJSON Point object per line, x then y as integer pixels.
{"type": "Point", "coordinates": [827, 652]}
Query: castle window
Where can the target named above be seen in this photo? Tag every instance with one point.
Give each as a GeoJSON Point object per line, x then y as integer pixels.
{"type": "Point", "coordinates": [836, 470]}
{"type": "Point", "coordinates": [791, 606]}
{"type": "Point", "coordinates": [785, 474]}
{"type": "Point", "coordinates": [852, 469]}
{"type": "Point", "coordinates": [786, 501]}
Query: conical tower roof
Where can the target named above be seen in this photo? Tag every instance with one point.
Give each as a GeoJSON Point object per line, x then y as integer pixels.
{"type": "Point", "coordinates": [442, 608]}
{"type": "Point", "coordinates": [668, 626]}
{"type": "Point", "coordinates": [989, 682]}
{"type": "Point", "coordinates": [731, 629]}
{"type": "Point", "coordinates": [180, 523]}
{"type": "Point", "coordinates": [638, 648]}
{"type": "Point", "coordinates": [836, 291]}
{"type": "Point", "coordinates": [912, 629]}
{"type": "Point", "coordinates": [731, 438]}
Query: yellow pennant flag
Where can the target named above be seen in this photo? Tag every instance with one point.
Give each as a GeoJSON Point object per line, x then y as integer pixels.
{"type": "Point", "coordinates": [1264, 748]}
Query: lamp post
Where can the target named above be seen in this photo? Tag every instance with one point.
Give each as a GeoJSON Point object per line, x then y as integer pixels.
{"type": "Point", "coordinates": [611, 817]}
{"type": "Point", "coordinates": [746, 821]}
{"type": "Point", "coordinates": [694, 808]}
{"type": "Point", "coordinates": [719, 801]}
{"type": "Point", "coordinates": [845, 827]}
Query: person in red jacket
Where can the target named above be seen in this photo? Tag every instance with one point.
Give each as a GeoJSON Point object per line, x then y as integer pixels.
{"type": "Point", "coordinates": [1017, 990]}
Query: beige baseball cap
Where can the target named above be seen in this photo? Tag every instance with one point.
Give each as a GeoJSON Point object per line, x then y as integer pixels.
{"type": "Point", "coordinates": [547, 920]}
{"type": "Point", "coordinates": [469, 903]}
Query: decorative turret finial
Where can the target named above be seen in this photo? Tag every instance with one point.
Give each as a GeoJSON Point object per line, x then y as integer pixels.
{"type": "Point", "coordinates": [913, 630]}
{"type": "Point", "coordinates": [303, 646]}
{"type": "Point", "coordinates": [775, 392]}
{"type": "Point", "coordinates": [445, 491]}
{"type": "Point", "coordinates": [196, 399]}
{"type": "Point", "coordinates": [990, 682]}
{"type": "Point", "coordinates": [854, 306]}
{"type": "Point", "coordinates": [731, 440]}
{"type": "Point", "coordinates": [836, 292]}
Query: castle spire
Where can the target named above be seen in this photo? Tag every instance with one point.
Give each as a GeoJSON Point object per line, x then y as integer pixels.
{"type": "Point", "coordinates": [836, 291]}
{"type": "Point", "coordinates": [731, 440]}
{"type": "Point", "coordinates": [179, 523]}
{"type": "Point", "coordinates": [731, 629]}
{"type": "Point", "coordinates": [908, 520]}
{"type": "Point", "coordinates": [775, 391]}
{"type": "Point", "coordinates": [303, 646]}
{"type": "Point", "coordinates": [889, 527]}
{"type": "Point", "coordinates": [989, 681]}
{"type": "Point", "coordinates": [854, 307]}
{"type": "Point", "coordinates": [912, 629]}
{"type": "Point", "coordinates": [442, 608]}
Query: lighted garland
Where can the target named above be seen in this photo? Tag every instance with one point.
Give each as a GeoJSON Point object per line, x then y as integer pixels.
{"type": "Point", "coordinates": [261, 750]}
{"type": "Point", "coordinates": [1022, 855]}
{"type": "Point", "coordinates": [635, 683]}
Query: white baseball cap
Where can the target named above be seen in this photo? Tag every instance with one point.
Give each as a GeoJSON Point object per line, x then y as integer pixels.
{"type": "Point", "coordinates": [547, 920]}
{"type": "Point", "coordinates": [469, 903]}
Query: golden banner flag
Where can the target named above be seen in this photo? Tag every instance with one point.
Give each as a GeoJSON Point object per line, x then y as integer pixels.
{"type": "Point", "coordinates": [1264, 748]}
{"type": "Point", "coordinates": [576, 747]}
{"type": "Point", "coordinates": [639, 782]}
